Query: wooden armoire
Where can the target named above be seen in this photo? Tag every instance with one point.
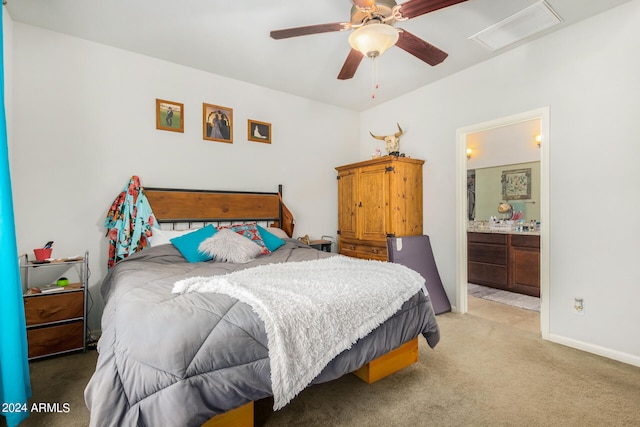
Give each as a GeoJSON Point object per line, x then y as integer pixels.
{"type": "Point", "coordinates": [377, 199]}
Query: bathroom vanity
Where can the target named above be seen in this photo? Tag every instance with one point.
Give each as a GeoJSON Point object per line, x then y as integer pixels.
{"type": "Point", "coordinates": [505, 260]}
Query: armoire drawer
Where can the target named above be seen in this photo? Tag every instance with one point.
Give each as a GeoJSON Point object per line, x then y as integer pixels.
{"type": "Point", "coordinates": [364, 250]}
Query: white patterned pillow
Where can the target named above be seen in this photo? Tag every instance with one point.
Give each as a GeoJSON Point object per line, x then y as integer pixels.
{"type": "Point", "coordinates": [162, 237]}
{"type": "Point", "coordinates": [279, 232]}
{"type": "Point", "coordinates": [229, 246]}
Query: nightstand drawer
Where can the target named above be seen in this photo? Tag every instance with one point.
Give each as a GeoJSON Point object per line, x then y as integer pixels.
{"type": "Point", "coordinates": [39, 309]}
{"type": "Point", "coordinates": [55, 339]}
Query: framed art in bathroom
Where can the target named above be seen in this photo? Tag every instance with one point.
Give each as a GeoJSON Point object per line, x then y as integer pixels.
{"type": "Point", "coordinates": [516, 184]}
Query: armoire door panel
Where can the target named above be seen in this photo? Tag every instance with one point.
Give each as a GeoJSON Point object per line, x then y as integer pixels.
{"type": "Point", "coordinates": [376, 198]}
{"type": "Point", "coordinates": [347, 204]}
{"type": "Point", "coordinates": [406, 200]}
{"type": "Point", "coordinates": [374, 204]}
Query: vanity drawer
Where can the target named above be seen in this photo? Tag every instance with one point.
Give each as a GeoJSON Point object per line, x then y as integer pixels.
{"type": "Point", "coordinates": [525, 241]}
{"type": "Point", "coordinates": [493, 238]}
{"type": "Point", "coordinates": [495, 276]}
{"type": "Point", "coordinates": [489, 254]}
{"type": "Point", "coordinates": [488, 259]}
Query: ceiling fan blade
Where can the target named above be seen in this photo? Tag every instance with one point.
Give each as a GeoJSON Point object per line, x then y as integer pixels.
{"type": "Point", "coordinates": [350, 65]}
{"type": "Point", "coordinates": [413, 8]}
{"type": "Point", "coordinates": [311, 29]}
{"type": "Point", "coordinates": [420, 48]}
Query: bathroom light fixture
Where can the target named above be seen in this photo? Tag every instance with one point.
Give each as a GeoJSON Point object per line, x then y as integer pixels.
{"type": "Point", "coordinates": [538, 139]}
{"type": "Point", "coordinates": [372, 40]}
{"type": "Point", "coordinates": [469, 152]}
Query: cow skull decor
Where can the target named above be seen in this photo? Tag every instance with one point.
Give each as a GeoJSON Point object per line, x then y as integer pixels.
{"type": "Point", "coordinates": [392, 142]}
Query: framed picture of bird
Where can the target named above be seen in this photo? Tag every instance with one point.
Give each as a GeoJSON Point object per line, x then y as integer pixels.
{"type": "Point", "coordinates": [259, 131]}
{"type": "Point", "coordinates": [217, 123]}
{"type": "Point", "coordinates": [169, 115]}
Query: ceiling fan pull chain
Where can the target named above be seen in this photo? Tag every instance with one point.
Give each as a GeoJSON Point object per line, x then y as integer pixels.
{"type": "Point", "coordinates": [374, 77]}
{"type": "Point", "coordinates": [373, 24]}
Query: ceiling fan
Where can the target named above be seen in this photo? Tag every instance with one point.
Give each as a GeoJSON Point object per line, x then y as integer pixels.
{"type": "Point", "coordinates": [374, 31]}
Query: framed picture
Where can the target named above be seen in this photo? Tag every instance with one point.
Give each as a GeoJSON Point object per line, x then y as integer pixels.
{"type": "Point", "coordinates": [169, 115]}
{"type": "Point", "coordinates": [471, 194]}
{"type": "Point", "coordinates": [259, 131]}
{"type": "Point", "coordinates": [516, 184]}
{"type": "Point", "coordinates": [217, 123]}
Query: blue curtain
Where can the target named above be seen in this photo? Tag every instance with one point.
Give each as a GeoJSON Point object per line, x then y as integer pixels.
{"type": "Point", "coordinates": [15, 387]}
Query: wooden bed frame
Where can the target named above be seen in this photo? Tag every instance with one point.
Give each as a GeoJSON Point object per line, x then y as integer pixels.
{"type": "Point", "coordinates": [383, 366]}
{"type": "Point", "coordinates": [172, 205]}
{"type": "Point", "coordinates": [205, 206]}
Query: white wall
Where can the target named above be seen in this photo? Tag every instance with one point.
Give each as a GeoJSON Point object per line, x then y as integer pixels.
{"type": "Point", "coordinates": [84, 123]}
{"type": "Point", "coordinates": [7, 40]}
{"type": "Point", "coordinates": [505, 145]}
{"type": "Point", "coordinates": [588, 75]}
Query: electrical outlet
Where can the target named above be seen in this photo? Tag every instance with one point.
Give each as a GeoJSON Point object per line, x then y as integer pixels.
{"type": "Point", "coordinates": [578, 306]}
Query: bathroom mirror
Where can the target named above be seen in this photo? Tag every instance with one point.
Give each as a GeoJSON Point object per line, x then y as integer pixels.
{"type": "Point", "coordinates": [503, 165]}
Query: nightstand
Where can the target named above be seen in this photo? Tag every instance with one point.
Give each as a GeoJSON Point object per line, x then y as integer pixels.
{"type": "Point", "coordinates": [56, 319]}
{"type": "Point", "coordinates": [321, 245]}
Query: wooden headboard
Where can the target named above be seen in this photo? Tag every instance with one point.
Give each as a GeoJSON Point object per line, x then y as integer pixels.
{"type": "Point", "coordinates": [172, 205]}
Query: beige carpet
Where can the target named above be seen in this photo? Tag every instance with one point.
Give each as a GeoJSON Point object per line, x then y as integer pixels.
{"type": "Point", "coordinates": [483, 373]}
{"type": "Point", "coordinates": [506, 314]}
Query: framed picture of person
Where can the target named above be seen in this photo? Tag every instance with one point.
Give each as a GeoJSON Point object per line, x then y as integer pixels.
{"type": "Point", "coordinates": [169, 115]}
{"type": "Point", "coordinates": [217, 123]}
{"type": "Point", "coordinates": [259, 131]}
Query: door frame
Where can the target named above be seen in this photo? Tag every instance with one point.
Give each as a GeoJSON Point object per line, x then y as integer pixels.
{"type": "Point", "coordinates": [461, 208]}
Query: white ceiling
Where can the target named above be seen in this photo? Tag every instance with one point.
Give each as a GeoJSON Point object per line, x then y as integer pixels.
{"type": "Point", "coordinates": [231, 38]}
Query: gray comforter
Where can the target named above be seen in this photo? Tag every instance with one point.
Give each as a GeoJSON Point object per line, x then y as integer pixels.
{"type": "Point", "coordinates": [177, 360]}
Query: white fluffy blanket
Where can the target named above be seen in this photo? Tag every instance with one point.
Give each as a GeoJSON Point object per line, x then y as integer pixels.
{"type": "Point", "coordinates": [313, 310]}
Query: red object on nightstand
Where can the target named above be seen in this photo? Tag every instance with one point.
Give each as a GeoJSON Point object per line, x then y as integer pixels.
{"type": "Point", "coordinates": [42, 253]}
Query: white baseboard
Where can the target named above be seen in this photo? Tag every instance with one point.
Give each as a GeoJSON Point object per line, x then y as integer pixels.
{"type": "Point", "coordinates": [600, 351]}
{"type": "Point", "coordinates": [630, 359]}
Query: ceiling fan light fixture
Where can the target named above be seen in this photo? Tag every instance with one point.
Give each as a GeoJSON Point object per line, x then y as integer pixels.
{"type": "Point", "coordinates": [373, 39]}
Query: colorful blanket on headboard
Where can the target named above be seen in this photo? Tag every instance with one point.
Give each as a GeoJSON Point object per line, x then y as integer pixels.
{"type": "Point", "coordinates": [129, 222]}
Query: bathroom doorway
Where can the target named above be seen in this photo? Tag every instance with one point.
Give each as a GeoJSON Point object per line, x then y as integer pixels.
{"type": "Point", "coordinates": [466, 138]}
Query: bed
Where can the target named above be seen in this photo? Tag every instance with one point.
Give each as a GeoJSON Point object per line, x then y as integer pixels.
{"type": "Point", "coordinates": [200, 355]}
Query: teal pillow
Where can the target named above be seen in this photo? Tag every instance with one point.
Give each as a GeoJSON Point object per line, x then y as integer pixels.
{"type": "Point", "coordinates": [271, 241]}
{"type": "Point", "coordinates": [188, 243]}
